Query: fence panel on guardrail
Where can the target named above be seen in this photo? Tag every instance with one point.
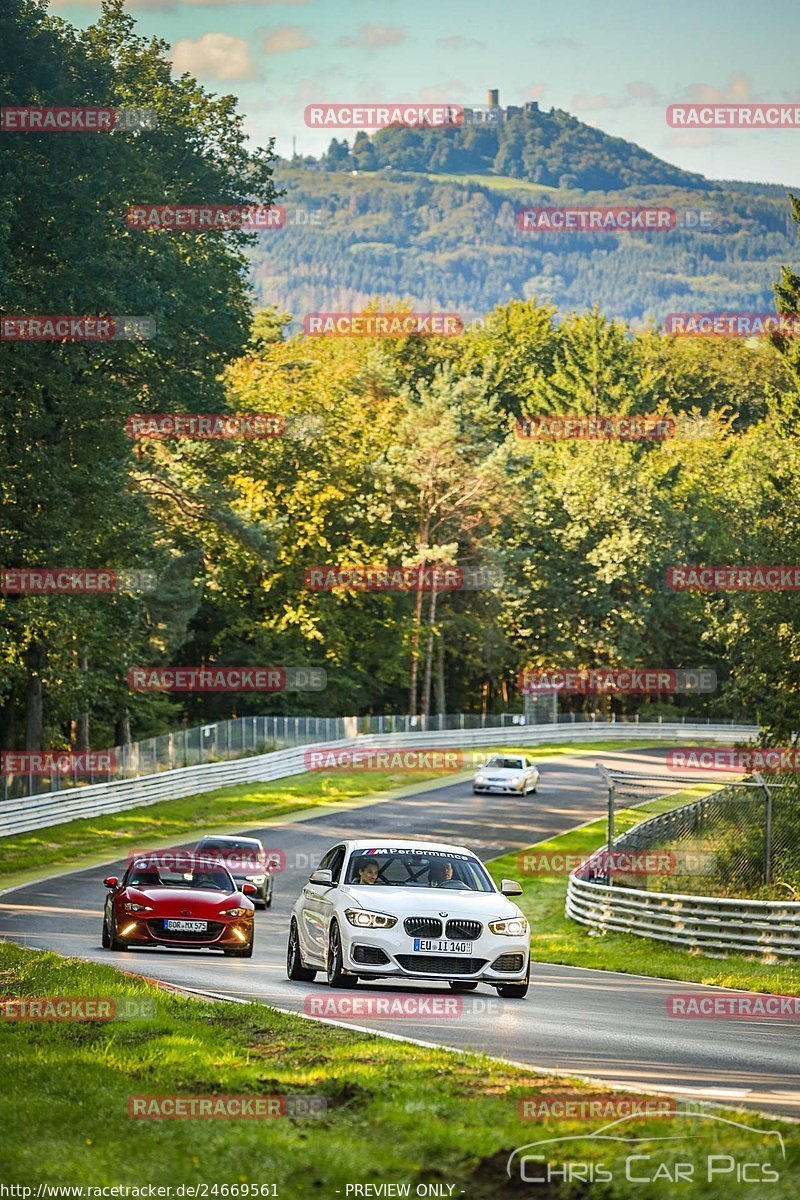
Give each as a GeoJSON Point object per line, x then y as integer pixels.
{"type": "Point", "coordinates": [708, 923]}
{"type": "Point", "coordinates": [53, 808]}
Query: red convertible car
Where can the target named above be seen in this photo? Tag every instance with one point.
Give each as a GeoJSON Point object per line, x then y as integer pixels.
{"type": "Point", "coordinates": [194, 904]}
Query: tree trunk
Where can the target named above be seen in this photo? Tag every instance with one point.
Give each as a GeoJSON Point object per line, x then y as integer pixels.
{"type": "Point", "coordinates": [439, 683]}
{"type": "Point", "coordinates": [122, 729]}
{"type": "Point", "coordinates": [413, 684]}
{"type": "Point", "coordinates": [8, 723]}
{"type": "Point", "coordinates": [34, 719]}
{"type": "Point", "coordinates": [82, 723]}
{"type": "Point", "coordinates": [426, 691]}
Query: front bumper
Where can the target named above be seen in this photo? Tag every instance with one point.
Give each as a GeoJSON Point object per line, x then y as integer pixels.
{"type": "Point", "coordinates": [504, 789]}
{"type": "Point", "coordinates": [151, 932]}
{"type": "Point", "coordinates": [490, 957]}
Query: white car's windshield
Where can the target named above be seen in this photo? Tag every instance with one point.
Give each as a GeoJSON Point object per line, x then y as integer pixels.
{"type": "Point", "coordinates": [407, 867]}
{"type": "Point", "coordinates": [506, 764]}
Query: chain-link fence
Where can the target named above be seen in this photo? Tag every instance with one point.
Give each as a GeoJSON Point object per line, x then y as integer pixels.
{"type": "Point", "coordinates": [738, 840]}
{"type": "Point", "coordinates": [222, 740]}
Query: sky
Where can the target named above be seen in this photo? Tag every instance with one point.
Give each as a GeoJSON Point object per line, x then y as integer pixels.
{"type": "Point", "coordinates": [615, 65]}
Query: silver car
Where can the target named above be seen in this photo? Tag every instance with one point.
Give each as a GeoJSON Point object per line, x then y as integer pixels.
{"type": "Point", "coordinates": [513, 773]}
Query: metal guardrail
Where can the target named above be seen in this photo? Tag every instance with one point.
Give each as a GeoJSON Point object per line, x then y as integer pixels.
{"type": "Point", "coordinates": [710, 923]}
{"type": "Point", "coordinates": [54, 808]}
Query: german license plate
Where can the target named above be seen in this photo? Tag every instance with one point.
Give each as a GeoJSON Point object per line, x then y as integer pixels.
{"type": "Point", "coordinates": [176, 926]}
{"type": "Point", "coordinates": [440, 946]}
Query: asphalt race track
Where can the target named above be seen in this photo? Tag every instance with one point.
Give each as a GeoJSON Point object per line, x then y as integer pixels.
{"type": "Point", "coordinates": [606, 1025]}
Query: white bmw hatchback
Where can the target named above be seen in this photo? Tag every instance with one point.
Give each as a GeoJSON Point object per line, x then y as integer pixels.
{"type": "Point", "coordinates": [415, 910]}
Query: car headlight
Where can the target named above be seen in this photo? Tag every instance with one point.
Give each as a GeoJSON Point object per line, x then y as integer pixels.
{"type": "Point", "coordinates": [369, 920]}
{"type": "Point", "coordinates": [234, 912]}
{"type": "Point", "coordinates": [480, 779]}
{"type": "Point", "coordinates": [515, 780]}
{"type": "Point", "coordinates": [129, 906]}
{"type": "Point", "coordinates": [255, 878]}
{"type": "Point", "coordinates": [513, 927]}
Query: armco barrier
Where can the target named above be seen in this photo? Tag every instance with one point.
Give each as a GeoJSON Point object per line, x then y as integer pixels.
{"type": "Point", "coordinates": [54, 808]}
{"type": "Point", "coordinates": [705, 923]}
{"type": "Point", "coordinates": [693, 922]}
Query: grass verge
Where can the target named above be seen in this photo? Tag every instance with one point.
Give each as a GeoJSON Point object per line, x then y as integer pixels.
{"type": "Point", "coordinates": [92, 840]}
{"type": "Point", "coordinates": [395, 1113]}
{"type": "Point", "coordinates": [557, 939]}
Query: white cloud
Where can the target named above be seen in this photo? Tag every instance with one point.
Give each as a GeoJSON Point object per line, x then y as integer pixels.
{"type": "Point", "coordinates": [286, 39]}
{"type": "Point", "coordinates": [373, 37]}
{"type": "Point", "coordinates": [219, 56]}
{"type": "Point", "coordinates": [738, 90]}
{"type": "Point", "coordinates": [587, 103]}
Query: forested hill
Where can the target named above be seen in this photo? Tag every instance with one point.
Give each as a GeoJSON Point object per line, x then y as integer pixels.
{"type": "Point", "coordinates": [551, 148]}
{"type": "Point", "coordinates": [451, 242]}
{"type": "Point", "coordinates": [430, 216]}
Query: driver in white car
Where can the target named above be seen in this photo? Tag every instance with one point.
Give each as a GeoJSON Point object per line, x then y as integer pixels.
{"type": "Point", "coordinates": [440, 874]}
{"type": "Point", "coordinates": [368, 873]}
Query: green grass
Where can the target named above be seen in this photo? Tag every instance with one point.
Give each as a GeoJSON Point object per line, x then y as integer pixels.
{"type": "Point", "coordinates": [93, 840]}
{"type": "Point", "coordinates": [396, 1113]}
{"type": "Point", "coordinates": [557, 939]}
{"type": "Point", "coordinates": [496, 182]}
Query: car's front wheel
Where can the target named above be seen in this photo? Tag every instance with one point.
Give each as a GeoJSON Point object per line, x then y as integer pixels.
{"type": "Point", "coordinates": [336, 975]}
{"type": "Point", "coordinates": [515, 991]}
{"type": "Point", "coordinates": [245, 951]}
{"type": "Point", "coordinates": [109, 939]}
{"type": "Point", "coordinates": [294, 963]}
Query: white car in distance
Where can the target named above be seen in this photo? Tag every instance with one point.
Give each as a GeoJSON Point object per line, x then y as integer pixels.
{"type": "Point", "coordinates": [406, 909]}
{"type": "Point", "coordinates": [515, 773]}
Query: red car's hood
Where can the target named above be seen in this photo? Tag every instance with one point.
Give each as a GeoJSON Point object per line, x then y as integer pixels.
{"type": "Point", "coordinates": [183, 902]}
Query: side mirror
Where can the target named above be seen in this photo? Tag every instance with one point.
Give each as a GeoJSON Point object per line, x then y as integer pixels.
{"type": "Point", "coordinates": [509, 887]}
{"type": "Point", "coordinates": [111, 881]}
{"type": "Point", "coordinates": [323, 877]}
{"type": "Point", "coordinates": [249, 889]}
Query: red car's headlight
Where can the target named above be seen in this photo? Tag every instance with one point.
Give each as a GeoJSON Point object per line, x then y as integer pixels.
{"type": "Point", "coordinates": [234, 912]}
{"type": "Point", "coordinates": [129, 906]}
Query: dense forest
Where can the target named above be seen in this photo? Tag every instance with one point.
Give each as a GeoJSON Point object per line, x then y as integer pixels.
{"type": "Point", "coordinates": [400, 450]}
{"type": "Point", "coordinates": [453, 243]}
